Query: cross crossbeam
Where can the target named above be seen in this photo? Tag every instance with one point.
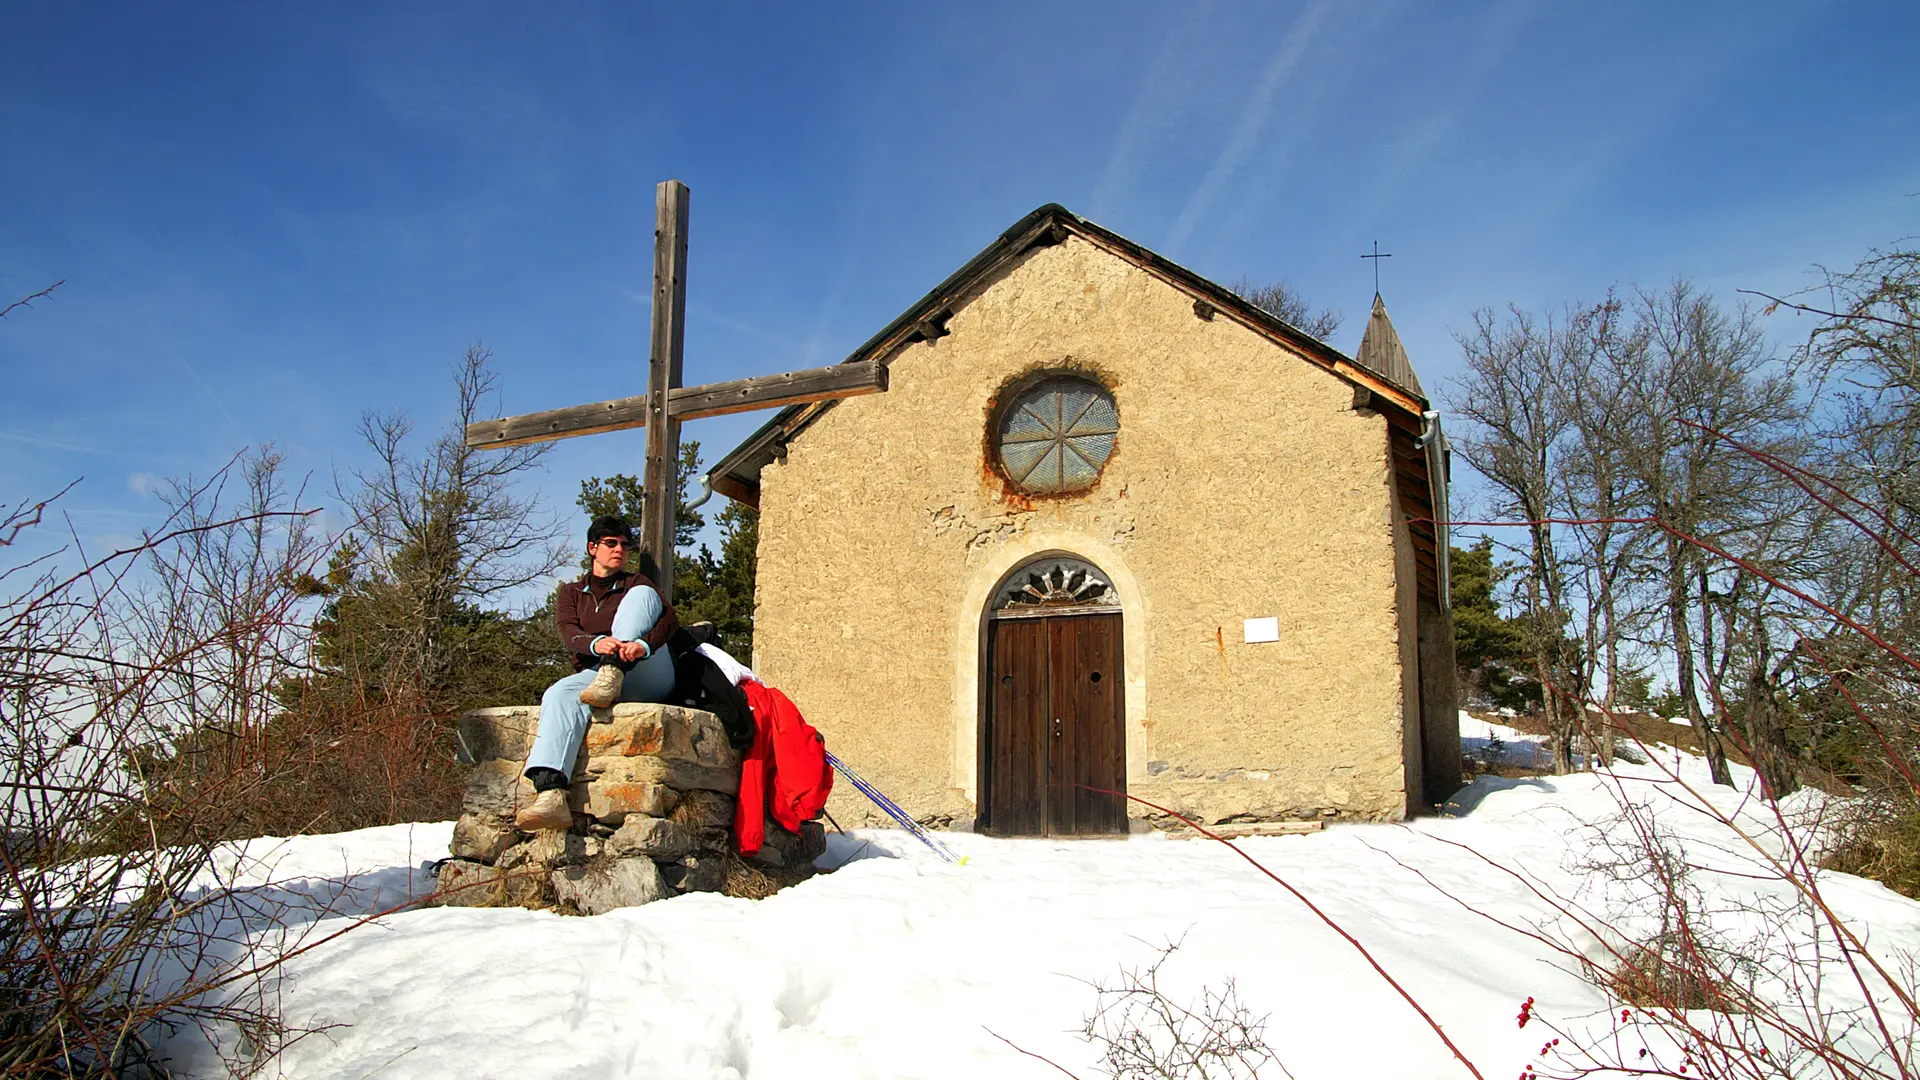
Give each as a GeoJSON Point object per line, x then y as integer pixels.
{"type": "Point", "coordinates": [683, 403]}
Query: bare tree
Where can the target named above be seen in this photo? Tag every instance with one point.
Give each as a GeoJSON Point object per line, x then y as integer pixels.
{"type": "Point", "coordinates": [1516, 433]}
{"type": "Point", "coordinates": [1281, 301]}
{"type": "Point", "coordinates": [1701, 376]}
{"type": "Point", "coordinates": [436, 534]}
{"type": "Point", "coordinates": [1598, 495]}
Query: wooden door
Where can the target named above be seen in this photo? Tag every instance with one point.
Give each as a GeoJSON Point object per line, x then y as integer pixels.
{"type": "Point", "coordinates": [1055, 726]}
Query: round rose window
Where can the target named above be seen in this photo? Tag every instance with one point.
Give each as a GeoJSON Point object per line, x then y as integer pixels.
{"type": "Point", "coordinates": [1057, 435]}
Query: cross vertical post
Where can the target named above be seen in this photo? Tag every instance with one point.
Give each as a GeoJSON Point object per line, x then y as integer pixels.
{"type": "Point", "coordinates": [660, 492]}
{"type": "Point", "coordinates": [1376, 257]}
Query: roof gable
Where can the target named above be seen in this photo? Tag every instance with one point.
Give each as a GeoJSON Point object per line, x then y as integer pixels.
{"type": "Point", "coordinates": [1394, 391]}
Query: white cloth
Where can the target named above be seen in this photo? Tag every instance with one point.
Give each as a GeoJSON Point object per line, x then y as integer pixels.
{"type": "Point", "coordinates": [734, 670]}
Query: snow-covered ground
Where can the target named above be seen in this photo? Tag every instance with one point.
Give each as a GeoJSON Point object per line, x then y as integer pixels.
{"type": "Point", "coordinates": [900, 965]}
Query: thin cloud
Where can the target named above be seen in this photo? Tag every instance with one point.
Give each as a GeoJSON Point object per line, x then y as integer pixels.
{"type": "Point", "coordinates": [1252, 118]}
{"type": "Point", "coordinates": [1156, 103]}
{"type": "Point", "coordinates": [221, 405]}
{"type": "Point", "coordinates": [56, 444]}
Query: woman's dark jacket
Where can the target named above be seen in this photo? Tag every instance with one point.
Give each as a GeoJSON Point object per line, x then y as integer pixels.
{"type": "Point", "coordinates": [583, 610]}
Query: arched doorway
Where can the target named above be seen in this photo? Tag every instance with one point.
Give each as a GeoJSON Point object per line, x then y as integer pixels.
{"type": "Point", "coordinates": [1055, 716]}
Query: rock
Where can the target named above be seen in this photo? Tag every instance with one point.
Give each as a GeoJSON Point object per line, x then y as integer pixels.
{"type": "Point", "coordinates": [497, 734]}
{"type": "Point", "coordinates": [466, 884]}
{"type": "Point", "coordinates": [606, 884]}
{"type": "Point", "coordinates": [492, 789]}
{"type": "Point", "coordinates": [784, 849]}
{"type": "Point", "coordinates": [678, 775]}
{"type": "Point", "coordinates": [547, 850]}
{"type": "Point", "coordinates": [655, 838]}
{"type": "Point", "coordinates": [481, 838]}
{"type": "Point", "coordinates": [663, 731]}
{"type": "Point", "coordinates": [696, 873]}
{"type": "Point", "coordinates": [703, 810]}
{"type": "Point", "coordinates": [813, 841]}
{"type": "Point", "coordinates": [714, 839]}
{"type": "Point", "coordinates": [610, 801]}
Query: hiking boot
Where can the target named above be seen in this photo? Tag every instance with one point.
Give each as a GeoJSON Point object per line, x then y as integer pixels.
{"type": "Point", "coordinates": [702, 633]}
{"type": "Point", "coordinates": [604, 690]}
{"type": "Point", "coordinates": [548, 810]}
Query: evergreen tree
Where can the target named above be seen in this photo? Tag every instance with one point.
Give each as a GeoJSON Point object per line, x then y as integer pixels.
{"type": "Point", "coordinates": [1488, 647]}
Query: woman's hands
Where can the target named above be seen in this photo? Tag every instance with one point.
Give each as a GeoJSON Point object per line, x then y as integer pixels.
{"type": "Point", "coordinates": [628, 651]}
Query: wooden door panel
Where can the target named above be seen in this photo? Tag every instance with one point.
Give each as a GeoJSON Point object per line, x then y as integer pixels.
{"type": "Point", "coordinates": [1016, 727]}
{"type": "Point", "coordinates": [1099, 746]}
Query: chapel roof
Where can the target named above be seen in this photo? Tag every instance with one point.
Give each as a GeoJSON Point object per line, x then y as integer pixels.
{"type": "Point", "coordinates": [1381, 351]}
{"type": "Point", "coordinates": [1381, 374]}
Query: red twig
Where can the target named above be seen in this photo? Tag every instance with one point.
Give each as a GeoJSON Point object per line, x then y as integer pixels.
{"type": "Point", "coordinates": [1311, 906]}
{"type": "Point", "coordinates": [1029, 1053]}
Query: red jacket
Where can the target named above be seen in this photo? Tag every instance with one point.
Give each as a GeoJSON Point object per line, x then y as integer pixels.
{"type": "Point", "coordinates": [785, 773]}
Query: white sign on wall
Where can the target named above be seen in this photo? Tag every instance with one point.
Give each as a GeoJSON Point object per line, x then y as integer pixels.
{"type": "Point", "coordinates": [1267, 629]}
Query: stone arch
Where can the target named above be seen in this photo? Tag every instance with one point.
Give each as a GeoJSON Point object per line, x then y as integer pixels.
{"type": "Point", "coordinates": [970, 630]}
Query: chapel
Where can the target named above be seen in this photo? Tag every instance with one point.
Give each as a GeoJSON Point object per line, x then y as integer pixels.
{"type": "Point", "coordinates": [1111, 528]}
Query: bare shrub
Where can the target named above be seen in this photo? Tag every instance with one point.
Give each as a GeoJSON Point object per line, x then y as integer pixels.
{"type": "Point", "coordinates": [122, 926]}
{"type": "Point", "coordinates": [1145, 1034]}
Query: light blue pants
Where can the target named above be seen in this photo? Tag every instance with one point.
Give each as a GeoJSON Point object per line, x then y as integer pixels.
{"type": "Point", "coordinates": [564, 719]}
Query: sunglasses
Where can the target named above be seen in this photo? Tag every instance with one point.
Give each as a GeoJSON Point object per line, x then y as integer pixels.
{"type": "Point", "coordinates": [612, 542]}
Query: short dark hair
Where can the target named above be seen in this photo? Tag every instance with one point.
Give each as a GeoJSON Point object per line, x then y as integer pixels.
{"type": "Point", "coordinates": [607, 525]}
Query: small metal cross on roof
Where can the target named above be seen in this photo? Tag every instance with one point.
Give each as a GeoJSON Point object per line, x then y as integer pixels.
{"type": "Point", "coordinates": [1377, 256]}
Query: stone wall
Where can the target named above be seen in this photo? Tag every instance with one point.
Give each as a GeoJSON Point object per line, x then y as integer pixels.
{"type": "Point", "coordinates": [653, 804]}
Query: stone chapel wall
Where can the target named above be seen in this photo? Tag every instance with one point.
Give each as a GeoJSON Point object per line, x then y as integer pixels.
{"type": "Point", "coordinates": [1242, 484]}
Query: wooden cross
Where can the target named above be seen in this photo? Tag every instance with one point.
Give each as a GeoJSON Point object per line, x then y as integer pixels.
{"type": "Point", "coordinates": [666, 404]}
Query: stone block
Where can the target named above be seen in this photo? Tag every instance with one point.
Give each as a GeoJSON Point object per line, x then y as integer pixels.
{"type": "Point", "coordinates": [606, 884]}
{"type": "Point", "coordinates": [813, 841]}
{"type": "Point", "coordinates": [703, 810]}
{"type": "Point", "coordinates": [467, 884]}
{"type": "Point", "coordinates": [492, 789]}
{"type": "Point", "coordinates": [655, 838]}
{"type": "Point", "coordinates": [796, 850]}
{"type": "Point", "coordinates": [481, 837]}
{"type": "Point", "coordinates": [633, 729]}
{"type": "Point", "coordinates": [497, 734]}
{"type": "Point", "coordinates": [696, 873]}
{"type": "Point", "coordinates": [548, 849]}
{"type": "Point", "coordinates": [678, 775]}
{"type": "Point", "coordinates": [610, 802]}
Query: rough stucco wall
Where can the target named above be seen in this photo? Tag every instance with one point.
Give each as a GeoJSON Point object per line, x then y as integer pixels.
{"type": "Point", "coordinates": [1242, 484]}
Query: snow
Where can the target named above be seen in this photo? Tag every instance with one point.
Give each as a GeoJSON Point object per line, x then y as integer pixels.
{"type": "Point", "coordinates": [898, 964]}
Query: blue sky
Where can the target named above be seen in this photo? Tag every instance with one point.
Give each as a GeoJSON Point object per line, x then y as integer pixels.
{"type": "Point", "coordinates": [271, 217]}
